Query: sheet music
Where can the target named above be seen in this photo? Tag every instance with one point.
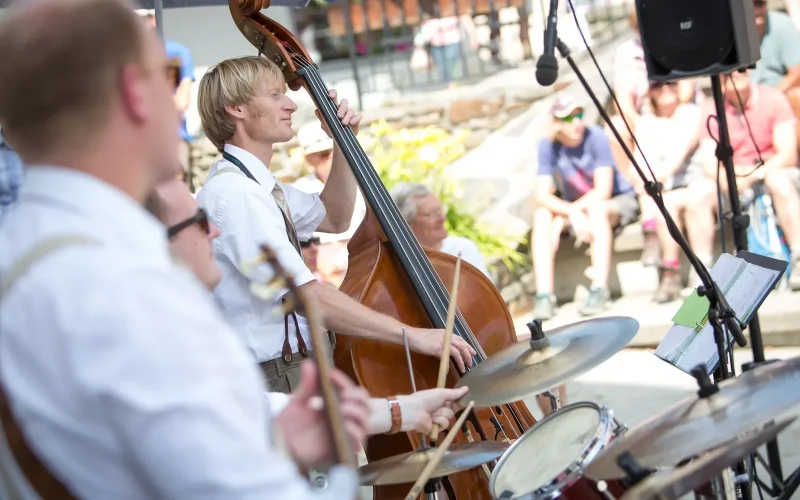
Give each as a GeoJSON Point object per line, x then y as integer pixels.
{"type": "Point", "coordinates": [744, 286]}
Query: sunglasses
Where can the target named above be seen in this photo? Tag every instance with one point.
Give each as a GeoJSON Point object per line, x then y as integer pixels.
{"type": "Point", "coordinates": [307, 244]}
{"type": "Point", "coordinates": [200, 218]}
{"type": "Point", "coordinates": [571, 118]}
{"type": "Point", "coordinates": [661, 85]}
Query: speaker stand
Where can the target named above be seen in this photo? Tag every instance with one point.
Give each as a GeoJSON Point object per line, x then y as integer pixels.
{"type": "Point", "coordinates": [739, 223]}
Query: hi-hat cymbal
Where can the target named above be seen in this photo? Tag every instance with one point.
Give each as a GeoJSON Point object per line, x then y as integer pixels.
{"type": "Point", "coordinates": [675, 483]}
{"type": "Point", "coordinates": [695, 425]}
{"type": "Point", "coordinates": [519, 371]}
{"type": "Point", "coordinates": [406, 468]}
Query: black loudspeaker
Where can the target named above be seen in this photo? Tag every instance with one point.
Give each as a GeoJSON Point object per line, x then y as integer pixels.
{"type": "Point", "coordinates": [691, 38]}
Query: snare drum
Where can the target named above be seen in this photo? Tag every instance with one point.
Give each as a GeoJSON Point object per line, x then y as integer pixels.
{"type": "Point", "coordinates": [547, 462]}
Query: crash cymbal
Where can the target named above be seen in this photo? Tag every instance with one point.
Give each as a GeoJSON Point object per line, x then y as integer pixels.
{"type": "Point", "coordinates": [695, 425]}
{"type": "Point", "coordinates": [673, 484]}
{"type": "Point", "coordinates": [406, 468]}
{"type": "Point", "coordinates": [521, 370]}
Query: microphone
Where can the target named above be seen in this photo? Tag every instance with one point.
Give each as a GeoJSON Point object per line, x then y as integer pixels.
{"type": "Point", "coordinates": [547, 65]}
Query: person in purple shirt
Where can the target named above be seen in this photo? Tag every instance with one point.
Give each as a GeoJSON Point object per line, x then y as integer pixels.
{"type": "Point", "coordinates": [179, 56]}
{"type": "Point", "coordinates": [578, 186]}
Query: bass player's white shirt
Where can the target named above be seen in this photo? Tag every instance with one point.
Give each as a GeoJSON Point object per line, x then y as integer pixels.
{"type": "Point", "coordinates": [122, 375]}
{"type": "Point", "coordinates": [248, 216]}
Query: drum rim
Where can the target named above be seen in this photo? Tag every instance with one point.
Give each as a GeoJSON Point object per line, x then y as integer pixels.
{"type": "Point", "coordinates": [574, 471]}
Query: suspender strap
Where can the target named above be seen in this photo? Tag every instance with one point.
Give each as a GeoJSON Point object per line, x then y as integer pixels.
{"type": "Point", "coordinates": [280, 199]}
{"type": "Point", "coordinates": [36, 474]}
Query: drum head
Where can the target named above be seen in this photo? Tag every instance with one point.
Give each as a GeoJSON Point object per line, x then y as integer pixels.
{"type": "Point", "coordinates": [546, 451]}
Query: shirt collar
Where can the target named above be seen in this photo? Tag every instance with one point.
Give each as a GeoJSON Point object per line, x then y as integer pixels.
{"type": "Point", "coordinates": [751, 103]}
{"type": "Point", "coordinates": [254, 165]}
{"type": "Point", "coordinates": [112, 213]}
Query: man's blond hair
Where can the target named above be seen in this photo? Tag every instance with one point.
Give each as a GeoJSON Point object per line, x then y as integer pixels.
{"type": "Point", "coordinates": [60, 67]}
{"type": "Point", "coordinates": [230, 83]}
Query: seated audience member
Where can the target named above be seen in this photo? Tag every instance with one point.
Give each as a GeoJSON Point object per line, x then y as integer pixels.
{"type": "Point", "coordinates": [630, 85]}
{"type": "Point", "coordinates": [425, 215]}
{"type": "Point", "coordinates": [10, 176]}
{"type": "Point", "coordinates": [772, 123]}
{"type": "Point", "coordinates": [331, 249]}
{"type": "Point", "coordinates": [688, 194]}
{"type": "Point", "coordinates": [779, 65]}
{"type": "Point", "coordinates": [577, 185]}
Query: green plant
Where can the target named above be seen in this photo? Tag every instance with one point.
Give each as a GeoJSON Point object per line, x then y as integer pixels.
{"type": "Point", "coordinates": [421, 155]}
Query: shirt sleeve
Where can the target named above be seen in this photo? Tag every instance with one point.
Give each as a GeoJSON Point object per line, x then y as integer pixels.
{"type": "Point", "coordinates": [246, 222]}
{"type": "Point", "coordinates": [545, 158]}
{"type": "Point", "coordinates": [781, 107]}
{"type": "Point", "coordinates": [182, 396]}
{"type": "Point", "coordinates": [277, 401]}
{"type": "Point", "coordinates": [307, 209]}
{"type": "Point", "coordinates": [789, 41]}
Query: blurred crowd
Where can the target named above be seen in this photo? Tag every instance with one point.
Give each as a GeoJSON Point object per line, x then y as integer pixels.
{"type": "Point", "coordinates": [586, 187]}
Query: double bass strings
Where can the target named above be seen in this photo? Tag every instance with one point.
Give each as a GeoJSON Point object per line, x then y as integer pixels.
{"type": "Point", "coordinates": [420, 266]}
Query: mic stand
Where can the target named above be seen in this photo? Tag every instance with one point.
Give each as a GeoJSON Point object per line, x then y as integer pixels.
{"type": "Point", "coordinates": [720, 312]}
{"type": "Point", "coordinates": [434, 484]}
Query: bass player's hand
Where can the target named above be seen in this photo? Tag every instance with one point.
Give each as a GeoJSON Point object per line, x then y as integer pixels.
{"type": "Point", "coordinates": [431, 342]}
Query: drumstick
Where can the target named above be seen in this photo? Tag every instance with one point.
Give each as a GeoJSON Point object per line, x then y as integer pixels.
{"type": "Point", "coordinates": [437, 457]}
{"type": "Point", "coordinates": [444, 363]}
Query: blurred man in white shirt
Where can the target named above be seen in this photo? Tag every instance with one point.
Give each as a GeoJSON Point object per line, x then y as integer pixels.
{"type": "Point", "coordinates": [124, 379]}
{"type": "Point", "coordinates": [244, 110]}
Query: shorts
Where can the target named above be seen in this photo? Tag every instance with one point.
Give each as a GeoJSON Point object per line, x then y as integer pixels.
{"type": "Point", "coordinates": [627, 205]}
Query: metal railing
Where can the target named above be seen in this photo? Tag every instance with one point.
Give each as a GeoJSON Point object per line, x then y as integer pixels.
{"type": "Point", "coordinates": [451, 41]}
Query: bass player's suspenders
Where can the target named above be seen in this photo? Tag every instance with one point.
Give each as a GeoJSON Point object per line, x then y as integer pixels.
{"type": "Point", "coordinates": [34, 472]}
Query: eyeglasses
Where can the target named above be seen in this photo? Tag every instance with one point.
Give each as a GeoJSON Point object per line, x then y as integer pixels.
{"type": "Point", "coordinates": [312, 241]}
{"type": "Point", "coordinates": [200, 218]}
{"type": "Point", "coordinates": [572, 117]}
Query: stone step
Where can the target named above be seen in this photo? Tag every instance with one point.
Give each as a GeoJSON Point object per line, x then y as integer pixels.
{"type": "Point", "coordinates": [779, 316]}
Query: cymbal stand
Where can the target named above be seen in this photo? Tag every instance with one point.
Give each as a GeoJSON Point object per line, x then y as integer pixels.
{"type": "Point", "coordinates": [434, 484]}
{"type": "Point", "coordinates": [539, 341]}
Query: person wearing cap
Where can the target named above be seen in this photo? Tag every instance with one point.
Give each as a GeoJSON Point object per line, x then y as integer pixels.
{"type": "Point", "coordinates": [578, 185]}
{"type": "Point", "coordinates": [180, 60]}
{"type": "Point", "coordinates": [326, 252]}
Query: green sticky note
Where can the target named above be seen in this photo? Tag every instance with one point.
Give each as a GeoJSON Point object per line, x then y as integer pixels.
{"type": "Point", "coordinates": [693, 312]}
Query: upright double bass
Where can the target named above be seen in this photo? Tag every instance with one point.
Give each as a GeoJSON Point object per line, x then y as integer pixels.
{"type": "Point", "coordinates": [388, 271]}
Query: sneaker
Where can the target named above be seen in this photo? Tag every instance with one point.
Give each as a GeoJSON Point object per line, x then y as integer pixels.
{"type": "Point", "coordinates": [651, 254]}
{"type": "Point", "coordinates": [669, 286]}
{"type": "Point", "coordinates": [544, 307]}
{"type": "Point", "coordinates": [596, 303]}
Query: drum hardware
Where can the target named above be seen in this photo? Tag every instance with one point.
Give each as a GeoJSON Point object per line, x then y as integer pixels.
{"type": "Point", "coordinates": [703, 422]}
{"type": "Point", "coordinates": [712, 468]}
{"type": "Point", "coordinates": [549, 360]}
